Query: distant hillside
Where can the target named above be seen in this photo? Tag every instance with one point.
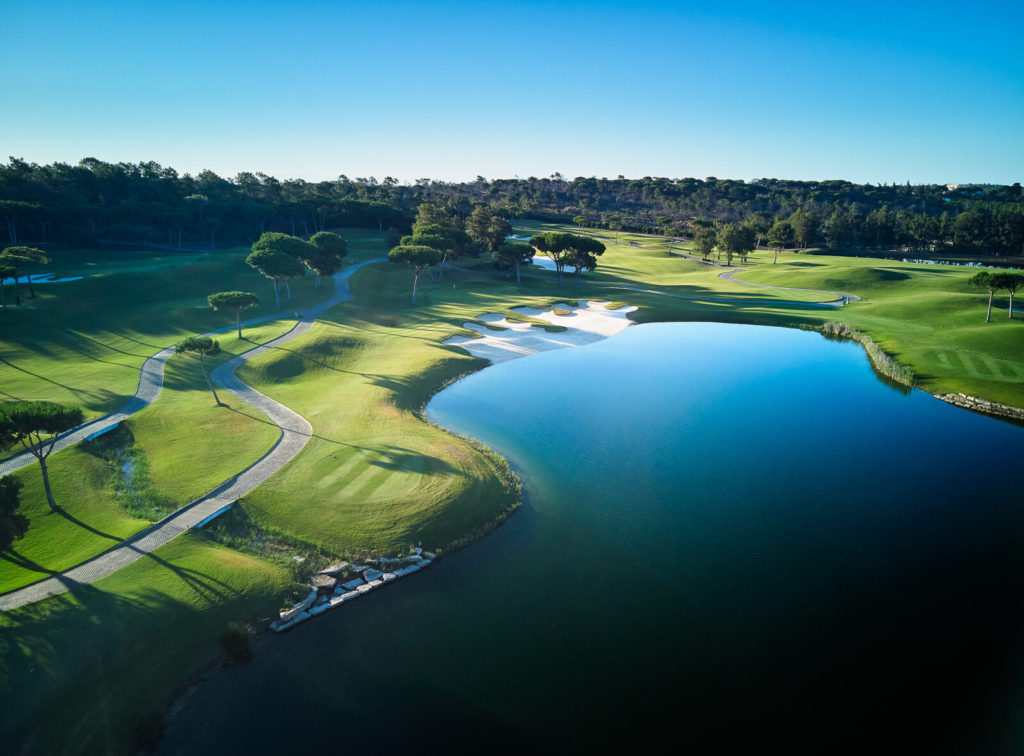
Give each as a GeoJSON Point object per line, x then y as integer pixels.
{"type": "Point", "coordinates": [146, 203]}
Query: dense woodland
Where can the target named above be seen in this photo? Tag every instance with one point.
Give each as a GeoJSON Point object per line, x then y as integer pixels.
{"type": "Point", "coordinates": [96, 202]}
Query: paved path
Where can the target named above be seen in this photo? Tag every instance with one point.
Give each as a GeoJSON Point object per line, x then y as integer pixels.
{"type": "Point", "coordinates": [295, 432]}
{"type": "Point", "coordinates": [151, 383]}
{"type": "Point", "coordinates": [729, 275]}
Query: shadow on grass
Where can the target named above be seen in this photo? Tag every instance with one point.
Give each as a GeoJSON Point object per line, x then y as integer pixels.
{"type": "Point", "coordinates": [40, 377]}
{"type": "Point", "coordinates": [70, 665]}
{"type": "Point", "coordinates": [265, 421]}
{"type": "Point", "coordinates": [143, 343]}
{"type": "Point", "coordinates": [20, 560]}
{"type": "Point", "coordinates": [307, 358]}
{"type": "Point", "coordinates": [203, 584]}
{"type": "Point", "coordinates": [97, 342]}
{"type": "Point", "coordinates": [79, 350]}
{"type": "Point", "coordinates": [75, 521]}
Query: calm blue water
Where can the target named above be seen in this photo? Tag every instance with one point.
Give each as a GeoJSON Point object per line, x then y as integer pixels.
{"type": "Point", "coordinates": [733, 537]}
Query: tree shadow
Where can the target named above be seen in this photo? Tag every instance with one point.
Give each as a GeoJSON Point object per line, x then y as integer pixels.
{"type": "Point", "coordinates": [143, 343]}
{"type": "Point", "coordinates": [40, 377]}
{"type": "Point", "coordinates": [362, 326]}
{"type": "Point", "coordinates": [398, 458]}
{"type": "Point", "coordinates": [203, 584]}
{"type": "Point", "coordinates": [308, 358]}
{"type": "Point", "coordinates": [80, 335]}
{"type": "Point", "coordinates": [265, 421]}
{"type": "Point", "coordinates": [74, 520]}
{"type": "Point", "coordinates": [79, 350]}
{"type": "Point", "coordinates": [18, 559]}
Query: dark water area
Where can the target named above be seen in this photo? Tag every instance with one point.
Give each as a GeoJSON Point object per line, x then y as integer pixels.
{"type": "Point", "coordinates": [733, 537]}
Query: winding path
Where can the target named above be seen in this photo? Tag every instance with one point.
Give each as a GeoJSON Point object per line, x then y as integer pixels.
{"type": "Point", "coordinates": [729, 275]}
{"type": "Point", "coordinates": [295, 433]}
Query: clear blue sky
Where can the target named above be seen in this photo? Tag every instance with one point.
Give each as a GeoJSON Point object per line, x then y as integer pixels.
{"type": "Point", "coordinates": [866, 91]}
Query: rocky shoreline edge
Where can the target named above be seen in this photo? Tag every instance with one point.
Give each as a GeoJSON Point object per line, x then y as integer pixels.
{"type": "Point", "coordinates": [983, 406]}
{"type": "Point", "coordinates": [327, 591]}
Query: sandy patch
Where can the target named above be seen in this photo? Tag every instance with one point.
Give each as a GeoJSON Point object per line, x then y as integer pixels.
{"type": "Point", "coordinates": [585, 324]}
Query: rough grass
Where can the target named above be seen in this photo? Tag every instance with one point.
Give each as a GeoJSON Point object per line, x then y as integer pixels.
{"type": "Point", "coordinates": [925, 316]}
{"type": "Point", "coordinates": [91, 672]}
{"type": "Point", "coordinates": [82, 342]}
{"type": "Point", "coordinates": [190, 444]}
{"type": "Point", "coordinates": [87, 673]}
{"type": "Point", "coordinates": [376, 477]}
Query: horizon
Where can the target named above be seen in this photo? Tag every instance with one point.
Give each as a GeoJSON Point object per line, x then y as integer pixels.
{"type": "Point", "coordinates": [877, 94]}
{"type": "Point", "coordinates": [546, 177]}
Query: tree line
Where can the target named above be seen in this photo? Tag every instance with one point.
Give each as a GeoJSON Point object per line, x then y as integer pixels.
{"type": "Point", "coordinates": [95, 201]}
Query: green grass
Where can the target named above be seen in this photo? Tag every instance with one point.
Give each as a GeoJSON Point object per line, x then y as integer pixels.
{"type": "Point", "coordinates": [82, 673]}
{"type": "Point", "coordinates": [376, 477]}
{"type": "Point", "coordinates": [82, 342]}
{"type": "Point", "coordinates": [91, 672]}
{"type": "Point", "coordinates": [184, 437]}
{"type": "Point", "coordinates": [923, 315]}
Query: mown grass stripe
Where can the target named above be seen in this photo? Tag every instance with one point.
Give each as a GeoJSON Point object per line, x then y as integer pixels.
{"type": "Point", "coordinates": [375, 482]}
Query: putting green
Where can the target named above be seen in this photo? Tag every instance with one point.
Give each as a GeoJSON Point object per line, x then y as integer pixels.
{"type": "Point", "coordinates": [367, 474]}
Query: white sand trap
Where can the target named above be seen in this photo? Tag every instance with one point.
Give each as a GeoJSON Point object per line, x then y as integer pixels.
{"type": "Point", "coordinates": [585, 324]}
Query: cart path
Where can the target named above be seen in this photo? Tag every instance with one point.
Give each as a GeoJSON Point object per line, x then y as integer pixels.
{"type": "Point", "coordinates": [729, 275]}
{"type": "Point", "coordinates": [295, 433]}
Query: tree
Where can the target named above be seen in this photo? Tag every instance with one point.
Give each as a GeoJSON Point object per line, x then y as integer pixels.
{"type": "Point", "coordinates": [416, 256]}
{"type": "Point", "coordinates": [294, 247]}
{"type": "Point", "coordinates": [12, 525]}
{"type": "Point", "coordinates": [985, 280]}
{"type": "Point", "coordinates": [704, 240]}
{"type": "Point", "coordinates": [736, 239]}
{"type": "Point", "coordinates": [234, 300]}
{"type": "Point", "coordinates": [486, 230]}
{"type": "Point", "coordinates": [564, 249]}
{"type": "Point", "coordinates": [6, 271]}
{"type": "Point", "coordinates": [13, 211]}
{"type": "Point", "coordinates": [583, 255]}
{"type": "Point", "coordinates": [276, 266]}
{"type": "Point", "coordinates": [200, 347]}
{"type": "Point", "coordinates": [330, 249]}
{"type": "Point", "coordinates": [37, 426]}
{"type": "Point", "coordinates": [579, 220]}
{"type": "Point", "coordinates": [1011, 282]}
{"type": "Point", "coordinates": [511, 255]}
{"type": "Point", "coordinates": [16, 263]}
{"type": "Point", "coordinates": [805, 228]}
{"type": "Point", "coordinates": [429, 214]}
{"type": "Point", "coordinates": [28, 257]}
{"type": "Point", "coordinates": [615, 224]}
{"type": "Point", "coordinates": [449, 242]}
{"type": "Point", "coordinates": [780, 236]}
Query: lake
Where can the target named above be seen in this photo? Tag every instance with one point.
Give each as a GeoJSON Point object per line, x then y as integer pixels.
{"type": "Point", "coordinates": [732, 536]}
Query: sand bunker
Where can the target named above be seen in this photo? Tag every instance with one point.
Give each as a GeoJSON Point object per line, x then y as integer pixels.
{"type": "Point", "coordinates": [585, 324]}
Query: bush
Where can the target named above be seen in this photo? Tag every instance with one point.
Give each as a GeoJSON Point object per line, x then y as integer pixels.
{"type": "Point", "coordinates": [235, 643]}
{"type": "Point", "coordinates": [882, 362]}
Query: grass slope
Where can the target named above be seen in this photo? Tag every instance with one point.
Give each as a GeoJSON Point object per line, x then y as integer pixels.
{"type": "Point", "coordinates": [184, 437]}
{"type": "Point", "coordinates": [926, 316]}
{"type": "Point", "coordinates": [376, 477]}
{"type": "Point", "coordinates": [82, 672]}
{"type": "Point", "coordinates": [82, 342]}
{"type": "Point", "coordinates": [91, 672]}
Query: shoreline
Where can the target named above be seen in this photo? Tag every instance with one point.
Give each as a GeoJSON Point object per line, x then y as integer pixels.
{"type": "Point", "coordinates": [585, 323]}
